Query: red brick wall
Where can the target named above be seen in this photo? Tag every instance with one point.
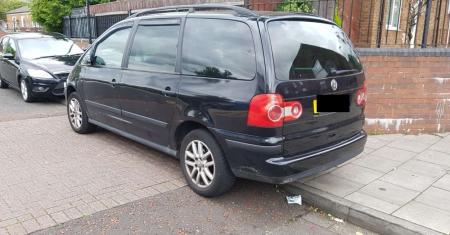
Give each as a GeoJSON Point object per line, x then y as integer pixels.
{"type": "Point", "coordinates": [407, 94]}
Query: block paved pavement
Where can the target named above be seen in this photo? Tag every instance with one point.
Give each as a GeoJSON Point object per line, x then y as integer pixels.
{"type": "Point", "coordinates": [49, 174]}
{"type": "Point", "coordinates": [407, 176]}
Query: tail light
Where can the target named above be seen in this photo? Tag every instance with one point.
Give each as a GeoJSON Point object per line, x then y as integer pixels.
{"type": "Point", "coordinates": [269, 111]}
{"type": "Point", "coordinates": [361, 96]}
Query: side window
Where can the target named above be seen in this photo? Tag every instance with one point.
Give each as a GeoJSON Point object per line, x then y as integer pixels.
{"type": "Point", "coordinates": [2, 43]}
{"type": "Point", "coordinates": [219, 49]}
{"type": "Point", "coordinates": [110, 51]}
{"type": "Point", "coordinates": [9, 47]}
{"type": "Point", "coordinates": [155, 48]}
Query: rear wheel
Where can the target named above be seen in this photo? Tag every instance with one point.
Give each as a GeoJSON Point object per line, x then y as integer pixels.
{"type": "Point", "coordinates": [77, 115]}
{"type": "Point", "coordinates": [3, 84]}
{"type": "Point", "coordinates": [204, 166]}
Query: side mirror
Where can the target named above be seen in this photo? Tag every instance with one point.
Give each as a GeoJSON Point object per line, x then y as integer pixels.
{"type": "Point", "coordinates": [8, 56]}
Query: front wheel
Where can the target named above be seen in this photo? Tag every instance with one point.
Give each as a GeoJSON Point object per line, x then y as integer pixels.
{"type": "Point", "coordinates": [25, 90]}
{"type": "Point", "coordinates": [3, 84]}
{"type": "Point", "coordinates": [204, 166]}
{"type": "Point", "coordinates": [77, 115]}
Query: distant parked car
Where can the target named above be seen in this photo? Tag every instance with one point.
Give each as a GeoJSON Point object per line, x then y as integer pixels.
{"type": "Point", "coordinates": [231, 93]}
{"type": "Point", "coordinates": [37, 64]}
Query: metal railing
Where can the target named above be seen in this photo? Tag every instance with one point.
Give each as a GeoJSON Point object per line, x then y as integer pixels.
{"type": "Point", "coordinates": [369, 23]}
{"type": "Point", "coordinates": [376, 23]}
{"type": "Point", "coordinates": [77, 27]}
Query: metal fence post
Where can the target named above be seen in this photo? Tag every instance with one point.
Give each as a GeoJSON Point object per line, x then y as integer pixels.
{"type": "Point", "coordinates": [247, 4]}
{"type": "Point", "coordinates": [380, 24]}
{"type": "Point", "coordinates": [426, 24]}
{"type": "Point", "coordinates": [88, 13]}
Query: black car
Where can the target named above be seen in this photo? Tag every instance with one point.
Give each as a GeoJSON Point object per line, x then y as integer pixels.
{"type": "Point", "coordinates": [229, 92]}
{"type": "Point", "coordinates": [37, 64]}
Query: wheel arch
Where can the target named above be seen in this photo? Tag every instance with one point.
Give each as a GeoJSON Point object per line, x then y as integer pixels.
{"type": "Point", "coordinates": [185, 128]}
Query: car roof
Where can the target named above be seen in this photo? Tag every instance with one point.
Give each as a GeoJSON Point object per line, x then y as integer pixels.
{"type": "Point", "coordinates": [222, 10]}
{"type": "Point", "coordinates": [35, 35]}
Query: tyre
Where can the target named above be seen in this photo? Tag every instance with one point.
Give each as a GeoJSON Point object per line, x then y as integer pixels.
{"type": "Point", "coordinates": [3, 84]}
{"type": "Point", "coordinates": [204, 165]}
{"type": "Point", "coordinates": [25, 90]}
{"type": "Point", "coordinates": [77, 115]}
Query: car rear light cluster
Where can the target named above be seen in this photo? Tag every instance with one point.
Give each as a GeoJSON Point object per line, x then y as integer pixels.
{"type": "Point", "coordinates": [361, 96]}
{"type": "Point", "coordinates": [270, 110]}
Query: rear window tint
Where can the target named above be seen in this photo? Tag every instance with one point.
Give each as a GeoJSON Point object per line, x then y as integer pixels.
{"type": "Point", "coordinates": [311, 50]}
{"type": "Point", "coordinates": [218, 49]}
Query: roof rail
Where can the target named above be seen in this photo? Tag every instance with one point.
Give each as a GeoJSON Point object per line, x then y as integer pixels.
{"type": "Point", "coordinates": [239, 11]}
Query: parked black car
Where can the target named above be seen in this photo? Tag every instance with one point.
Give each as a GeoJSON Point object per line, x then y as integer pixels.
{"type": "Point", "coordinates": [37, 64]}
{"type": "Point", "coordinates": [229, 92]}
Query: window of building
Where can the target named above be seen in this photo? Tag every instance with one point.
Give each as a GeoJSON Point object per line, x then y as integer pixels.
{"type": "Point", "coordinates": [395, 8]}
{"type": "Point", "coordinates": [155, 48]}
{"type": "Point", "coordinates": [22, 21]}
{"type": "Point", "coordinates": [218, 49]}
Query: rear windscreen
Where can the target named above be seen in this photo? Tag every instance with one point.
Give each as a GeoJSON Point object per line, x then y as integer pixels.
{"type": "Point", "coordinates": [311, 50]}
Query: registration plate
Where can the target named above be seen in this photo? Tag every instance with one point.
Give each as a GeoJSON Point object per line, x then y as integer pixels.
{"type": "Point", "coordinates": [331, 104]}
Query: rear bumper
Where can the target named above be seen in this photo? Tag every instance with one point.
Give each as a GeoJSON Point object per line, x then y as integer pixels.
{"type": "Point", "coordinates": [264, 163]}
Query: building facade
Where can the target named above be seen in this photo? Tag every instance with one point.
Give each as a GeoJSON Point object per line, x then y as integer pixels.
{"type": "Point", "coordinates": [20, 20]}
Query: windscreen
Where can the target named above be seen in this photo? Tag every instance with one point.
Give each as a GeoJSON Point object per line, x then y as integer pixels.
{"type": "Point", "coordinates": [311, 50]}
{"type": "Point", "coordinates": [34, 48]}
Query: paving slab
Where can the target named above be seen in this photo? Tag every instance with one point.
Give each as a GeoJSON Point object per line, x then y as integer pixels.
{"type": "Point", "coordinates": [335, 185]}
{"type": "Point", "coordinates": [436, 197]}
{"type": "Point", "coordinates": [357, 173]}
{"type": "Point", "coordinates": [394, 154]}
{"type": "Point", "coordinates": [391, 188]}
{"type": "Point", "coordinates": [372, 202]}
{"type": "Point", "coordinates": [436, 157]}
{"type": "Point", "coordinates": [443, 183]}
{"type": "Point", "coordinates": [442, 146]}
{"type": "Point", "coordinates": [377, 163]}
{"type": "Point", "coordinates": [424, 168]}
{"type": "Point", "coordinates": [408, 179]}
{"type": "Point", "coordinates": [426, 215]}
{"type": "Point", "coordinates": [410, 145]}
{"type": "Point", "coordinates": [389, 192]}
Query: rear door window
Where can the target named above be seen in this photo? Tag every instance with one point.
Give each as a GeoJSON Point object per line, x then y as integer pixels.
{"type": "Point", "coordinates": [218, 49]}
{"type": "Point", "coordinates": [311, 50]}
{"type": "Point", "coordinates": [155, 48]}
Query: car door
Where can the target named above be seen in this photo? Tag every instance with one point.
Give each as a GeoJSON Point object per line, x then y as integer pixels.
{"type": "Point", "coordinates": [101, 74]}
{"type": "Point", "coordinates": [10, 67]}
{"type": "Point", "coordinates": [150, 81]}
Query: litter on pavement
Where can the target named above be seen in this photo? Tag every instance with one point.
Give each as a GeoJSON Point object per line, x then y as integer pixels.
{"type": "Point", "coordinates": [294, 199]}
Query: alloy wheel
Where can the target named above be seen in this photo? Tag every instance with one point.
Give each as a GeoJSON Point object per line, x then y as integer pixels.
{"type": "Point", "coordinates": [199, 163]}
{"type": "Point", "coordinates": [24, 89]}
{"type": "Point", "coordinates": [75, 113]}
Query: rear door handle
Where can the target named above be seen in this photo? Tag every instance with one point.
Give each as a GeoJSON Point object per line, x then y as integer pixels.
{"type": "Point", "coordinates": [168, 91]}
{"type": "Point", "coordinates": [113, 82]}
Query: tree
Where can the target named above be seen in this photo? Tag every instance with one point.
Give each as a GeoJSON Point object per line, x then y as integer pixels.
{"type": "Point", "coordinates": [416, 8]}
{"type": "Point", "coordinates": [303, 6]}
{"type": "Point", "coordinates": [7, 5]}
{"type": "Point", "coordinates": [50, 13]}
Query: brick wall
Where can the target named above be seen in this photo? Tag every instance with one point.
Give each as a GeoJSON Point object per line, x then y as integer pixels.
{"type": "Point", "coordinates": [409, 90]}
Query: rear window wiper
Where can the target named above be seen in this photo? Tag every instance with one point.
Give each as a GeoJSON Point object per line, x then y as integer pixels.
{"type": "Point", "coordinates": [343, 71]}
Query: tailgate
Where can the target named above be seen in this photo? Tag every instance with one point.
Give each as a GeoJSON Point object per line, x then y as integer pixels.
{"type": "Point", "coordinates": [314, 59]}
